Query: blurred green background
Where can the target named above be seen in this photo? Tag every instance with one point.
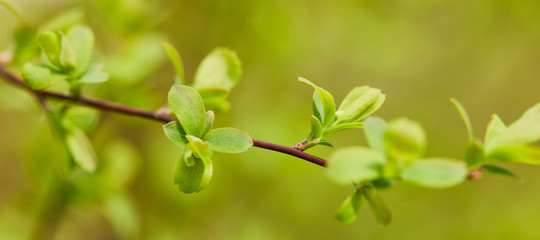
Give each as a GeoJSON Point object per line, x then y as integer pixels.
{"type": "Point", "coordinates": [485, 53]}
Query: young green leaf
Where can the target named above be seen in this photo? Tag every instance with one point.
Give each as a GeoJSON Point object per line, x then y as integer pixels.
{"type": "Point", "coordinates": [316, 132]}
{"type": "Point", "coordinates": [51, 45]}
{"type": "Point", "coordinates": [465, 117]}
{"type": "Point", "coordinates": [228, 140]}
{"type": "Point", "coordinates": [176, 60]}
{"type": "Point", "coordinates": [474, 154]}
{"type": "Point", "coordinates": [323, 102]}
{"type": "Point", "coordinates": [194, 177]}
{"type": "Point", "coordinates": [63, 20]}
{"type": "Point", "coordinates": [359, 103]}
{"type": "Point", "coordinates": [84, 118]}
{"type": "Point", "coordinates": [188, 107]}
{"type": "Point", "coordinates": [347, 212]}
{"type": "Point", "coordinates": [81, 39]}
{"type": "Point", "coordinates": [175, 133]}
{"type": "Point", "coordinates": [209, 121]}
{"type": "Point", "coordinates": [38, 76]}
{"type": "Point", "coordinates": [435, 173]}
{"type": "Point", "coordinates": [404, 139]}
{"type": "Point", "coordinates": [219, 69]}
{"type": "Point", "coordinates": [515, 153]}
{"type": "Point", "coordinates": [200, 149]}
{"type": "Point", "coordinates": [523, 131]}
{"type": "Point", "coordinates": [380, 211]}
{"type": "Point", "coordinates": [354, 165]}
{"type": "Point", "coordinates": [374, 129]}
{"type": "Point", "coordinates": [343, 126]}
{"type": "Point", "coordinates": [495, 127]}
{"type": "Point", "coordinates": [492, 169]}
{"type": "Point", "coordinates": [93, 76]}
{"type": "Point", "coordinates": [80, 148]}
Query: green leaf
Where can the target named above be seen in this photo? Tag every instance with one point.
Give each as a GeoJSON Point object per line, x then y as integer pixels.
{"type": "Point", "coordinates": [228, 140]}
{"type": "Point", "coordinates": [79, 147]}
{"type": "Point", "coordinates": [81, 39]}
{"type": "Point", "coordinates": [215, 98]}
{"type": "Point", "coordinates": [343, 126]}
{"type": "Point", "coordinates": [188, 107]}
{"type": "Point", "coordinates": [93, 76]}
{"type": "Point", "coordinates": [176, 60]}
{"type": "Point", "coordinates": [523, 131]}
{"type": "Point", "coordinates": [380, 211]}
{"type": "Point", "coordinates": [435, 173]}
{"type": "Point", "coordinates": [200, 148]}
{"type": "Point", "coordinates": [63, 20]}
{"type": "Point", "coordinates": [492, 169]}
{"type": "Point", "coordinates": [359, 103]}
{"type": "Point", "coordinates": [323, 102]}
{"type": "Point", "coordinates": [354, 165]}
{"type": "Point", "coordinates": [325, 143]}
{"type": "Point", "coordinates": [316, 132]}
{"type": "Point", "coordinates": [219, 69]}
{"type": "Point", "coordinates": [347, 212]}
{"type": "Point", "coordinates": [209, 121]}
{"type": "Point", "coordinates": [38, 76]}
{"type": "Point", "coordinates": [57, 50]}
{"type": "Point", "coordinates": [515, 153]}
{"type": "Point", "coordinates": [193, 177]}
{"type": "Point", "coordinates": [175, 133]}
{"type": "Point", "coordinates": [474, 154]}
{"type": "Point", "coordinates": [495, 127]}
{"type": "Point", "coordinates": [374, 129]}
{"type": "Point", "coordinates": [84, 118]}
{"type": "Point", "coordinates": [404, 139]}
{"type": "Point", "coordinates": [465, 117]}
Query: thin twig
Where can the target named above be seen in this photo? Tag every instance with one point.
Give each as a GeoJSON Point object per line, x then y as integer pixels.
{"type": "Point", "coordinates": [156, 116]}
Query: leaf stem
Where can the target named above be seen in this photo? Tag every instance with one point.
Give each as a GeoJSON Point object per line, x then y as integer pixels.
{"type": "Point", "coordinates": [151, 115]}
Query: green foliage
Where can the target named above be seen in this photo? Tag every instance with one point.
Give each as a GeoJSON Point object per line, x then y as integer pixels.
{"type": "Point", "coordinates": [354, 165]}
{"type": "Point", "coordinates": [215, 77]}
{"type": "Point", "coordinates": [39, 76]}
{"type": "Point", "coordinates": [347, 212]}
{"type": "Point", "coordinates": [378, 207]}
{"type": "Point", "coordinates": [435, 172]}
{"type": "Point", "coordinates": [80, 148]}
{"type": "Point", "coordinates": [193, 133]}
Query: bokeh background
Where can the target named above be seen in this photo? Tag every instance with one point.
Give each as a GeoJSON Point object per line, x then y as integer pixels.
{"type": "Point", "coordinates": [420, 53]}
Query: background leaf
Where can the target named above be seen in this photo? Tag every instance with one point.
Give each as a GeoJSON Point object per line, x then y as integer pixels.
{"type": "Point", "coordinates": [176, 60]}
{"type": "Point", "coordinates": [81, 39]}
{"type": "Point", "coordinates": [378, 207]}
{"type": "Point", "coordinates": [221, 68]}
{"type": "Point", "coordinates": [435, 173]}
{"type": "Point", "coordinates": [79, 147]}
{"type": "Point", "coordinates": [492, 169]}
{"type": "Point", "coordinates": [523, 131]}
{"type": "Point", "coordinates": [404, 139]}
{"type": "Point", "coordinates": [374, 129]}
{"type": "Point", "coordinates": [348, 211]}
{"type": "Point", "coordinates": [93, 76]}
{"type": "Point", "coordinates": [354, 165]}
{"type": "Point", "coordinates": [38, 76]}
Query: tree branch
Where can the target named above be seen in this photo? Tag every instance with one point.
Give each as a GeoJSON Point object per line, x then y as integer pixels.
{"type": "Point", "coordinates": [121, 109]}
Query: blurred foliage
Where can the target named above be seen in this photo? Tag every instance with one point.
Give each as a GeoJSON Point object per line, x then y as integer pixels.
{"type": "Point", "coordinates": [418, 52]}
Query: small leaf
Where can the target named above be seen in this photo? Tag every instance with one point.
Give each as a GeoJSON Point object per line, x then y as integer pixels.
{"type": "Point", "coordinates": [51, 45]}
{"type": "Point", "coordinates": [188, 107]}
{"type": "Point", "coordinates": [316, 132]}
{"type": "Point", "coordinates": [176, 60]}
{"type": "Point", "coordinates": [81, 39]}
{"type": "Point", "coordinates": [359, 103]}
{"type": "Point", "coordinates": [38, 76]}
{"type": "Point", "coordinates": [492, 169]}
{"type": "Point", "coordinates": [348, 211]}
{"type": "Point", "coordinates": [200, 149]}
{"type": "Point", "coordinates": [215, 98]}
{"type": "Point", "coordinates": [228, 140]}
{"type": "Point", "coordinates": [64, 20]}
{"type": "Point", "coordinates": [523, 131]}
{"type": "Point", "coordinates": [209, 121]}
{"type": "Point", "coordinates": [474, 154]}
{"type": "Point", "coordinates": [219, 69]}
{"type": "Point", "coordinates": [325, 143]}
{"type": "Point", "coordinates": [192, 178]}
{"type": "Point", "coordinates": [465, 117]}
{"type": "Point", "coordinates": [495, 127]}
{"type": "Point", "coordinates": [323, 101]}
{"type": "Point", "coordinates": [435, 173]}
{"type": "Point", "coordinates": [83, 117]}
{"type": "Point", "coordinates": [374, 129]}
{"type": "Point", "coordinates": [515, 153]}
{"type": "Point", "coordinates": [343, 126]}
{"type": "Point", "coordinates": [404, 139]}
{"type": "Point", "coordinates": [354, 165]}
{"type": "Point", "coordinates": [93, 76]}
{"type": "Point", "coordinates": [175, 133]}
{"type": "Point", "coordinates": [80, 148]}
{"type": "Point", "coordinates": [380, 211]}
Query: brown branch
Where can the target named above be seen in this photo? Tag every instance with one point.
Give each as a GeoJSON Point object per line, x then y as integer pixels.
{"type": "Point", "coordinates": [121, 109]}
